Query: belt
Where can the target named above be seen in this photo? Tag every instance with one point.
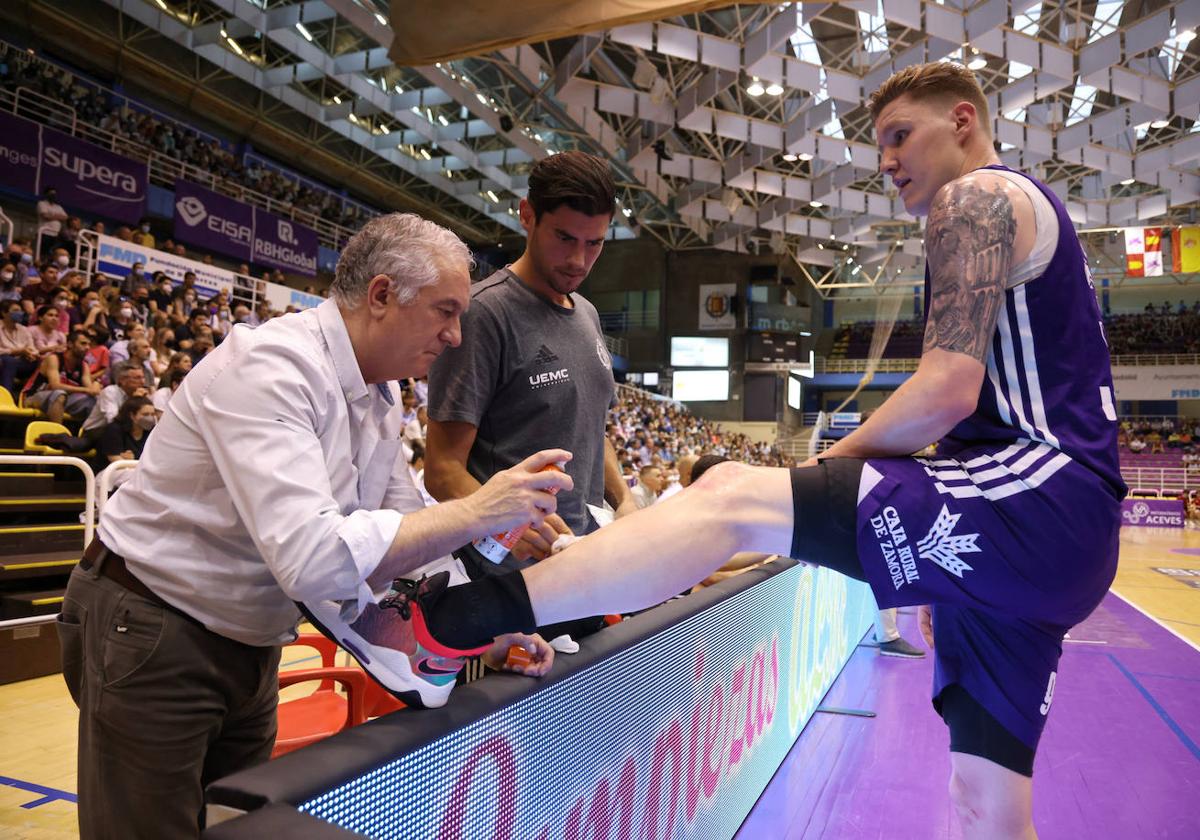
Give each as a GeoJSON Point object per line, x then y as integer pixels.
{"type": "Point", "coordinates": [112, 566]}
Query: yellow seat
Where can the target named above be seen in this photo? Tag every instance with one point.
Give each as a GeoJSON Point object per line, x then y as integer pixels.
{"type": "Point", "coordinates": [44, 427]}
{"type": "Point", "coordinates": [8, 408]}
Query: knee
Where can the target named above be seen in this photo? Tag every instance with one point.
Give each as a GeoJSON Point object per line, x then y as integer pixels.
{"type": "Point", "coordinates": [988, 814]}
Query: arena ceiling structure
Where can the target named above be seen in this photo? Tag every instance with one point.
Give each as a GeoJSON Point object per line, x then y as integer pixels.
{"type": "Point", "coordinates": [736, 127]}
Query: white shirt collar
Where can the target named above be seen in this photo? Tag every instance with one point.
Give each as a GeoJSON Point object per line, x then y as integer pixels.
{"type": "Point", "coordinates": [341, 351]}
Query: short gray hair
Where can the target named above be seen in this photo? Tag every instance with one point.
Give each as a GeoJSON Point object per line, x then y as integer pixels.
{"type": "Point", "coordinates": [410, 250]}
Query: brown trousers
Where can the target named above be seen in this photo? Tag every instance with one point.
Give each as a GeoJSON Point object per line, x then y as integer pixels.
{"type": "Point", "coordinates": [165, 707]}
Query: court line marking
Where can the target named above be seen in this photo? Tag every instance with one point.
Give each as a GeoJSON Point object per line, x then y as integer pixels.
{"type": "Point", "coordinates": [48, 794]}
{"type": "Point", "coordinates": [1170, 630]}
{"type": "Point", "coordinates": [1167, 676]}
{"type": "Point", "coordinates": [1162, 713]}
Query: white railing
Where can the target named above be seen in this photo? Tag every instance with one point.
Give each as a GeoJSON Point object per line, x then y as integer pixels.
{"type": "Point", "coordinates": [823, 365]}
{"type": "Point", "coordinates": [108, 477]}
{"type": "Point", "coordinates": [89, 500]}
{"type": "Point", "coordinates": [1160, 359]}
{"type": "Point", "coordinates": [1160, 480]}
{"type": "Point", "coordinates": [164, 170]}
{"type": "Point", "coordinates": [623, 321]}
{"type": "Point", "coordinates": [89, 480]}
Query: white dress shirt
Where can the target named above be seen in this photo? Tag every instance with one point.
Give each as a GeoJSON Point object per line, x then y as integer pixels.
{"type": "Point", "coordinates": [272, 478]}
{"type": "Point", "coordinates": [108, 403]}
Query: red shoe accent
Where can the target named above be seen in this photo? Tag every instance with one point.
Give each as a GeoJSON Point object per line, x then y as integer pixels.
{"type": "Point", "coordinates": [425, 638]}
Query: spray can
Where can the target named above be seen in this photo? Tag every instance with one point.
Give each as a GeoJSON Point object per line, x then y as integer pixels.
{"type": "Point", "coordinates": [497, 546]}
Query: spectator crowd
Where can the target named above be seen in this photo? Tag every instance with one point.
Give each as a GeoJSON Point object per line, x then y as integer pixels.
{"type": "Point", "coordinates": [99, 108]}
{"type": "Point", "coordinates": [1162, 435]}
{"type": "Point", "coordinates": [86, 349]}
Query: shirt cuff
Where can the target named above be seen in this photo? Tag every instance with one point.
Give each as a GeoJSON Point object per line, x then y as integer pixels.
{"type": "Point", "coordinates": [367, 534]}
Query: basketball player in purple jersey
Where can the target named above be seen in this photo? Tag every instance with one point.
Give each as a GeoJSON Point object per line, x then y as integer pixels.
{"type": "Point", "coordinates": [1010, 532]}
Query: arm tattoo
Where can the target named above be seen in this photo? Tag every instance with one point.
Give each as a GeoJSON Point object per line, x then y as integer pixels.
{"type": "Point", "coordinates": [970, 238]}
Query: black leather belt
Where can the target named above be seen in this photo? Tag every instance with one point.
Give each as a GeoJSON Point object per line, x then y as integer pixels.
{"type": "Point", "coordinates": [112, 566]}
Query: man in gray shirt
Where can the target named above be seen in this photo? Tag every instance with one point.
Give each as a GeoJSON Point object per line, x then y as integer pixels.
{"type": "Point", "coordinates": [532, 371]}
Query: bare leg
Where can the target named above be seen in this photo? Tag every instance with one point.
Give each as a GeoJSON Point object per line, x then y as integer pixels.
{"type": "Point", "coordinates": [645, 558]}
{"type": "Point", "coordinates": [993, 802]}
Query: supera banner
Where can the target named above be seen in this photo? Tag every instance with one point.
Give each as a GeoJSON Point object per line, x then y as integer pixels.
{"type": "Point", "coordinates": [674, 737]}
{"type": "Point", "coordinates": [89, 178]}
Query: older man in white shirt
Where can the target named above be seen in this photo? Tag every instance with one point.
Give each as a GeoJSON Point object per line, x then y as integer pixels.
{"type": "Point", "coordinates": [272, 478]}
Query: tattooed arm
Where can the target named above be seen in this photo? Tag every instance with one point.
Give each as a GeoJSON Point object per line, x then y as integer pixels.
{"type": "Point", "coordinates": [971, 236]}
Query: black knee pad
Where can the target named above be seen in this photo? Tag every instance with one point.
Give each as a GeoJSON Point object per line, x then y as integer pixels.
{"type": "Point", "coordinates": [825, 509]}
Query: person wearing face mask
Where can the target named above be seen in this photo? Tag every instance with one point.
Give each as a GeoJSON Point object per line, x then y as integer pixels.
{"type": "Point", "coordinates": [89, 311]}
{"type": "Point", "coordinates": [125, 438]}
{"type": "Point", "coordinates": [140, 300]}
{"type": "Point", "coordinates": [61, 258]}
{"type": "Point", "coordinates": [18, 357]}
{"type": "Point", "coordinates": [161, 293]}
{"type": "Point", "coordinates": [64, 302]}
{"type": "Point", "coordinates": [120, 319]}
{"type": "Point", "coordinates": [10, 289]}
{"type": "Point", "coordinates": [142, 236]}
{"type": "Point", "coordinates": [51, 215]}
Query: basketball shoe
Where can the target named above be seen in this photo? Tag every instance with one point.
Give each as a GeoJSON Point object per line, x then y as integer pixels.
{"type": "Point", "coordinates": [392, 642]}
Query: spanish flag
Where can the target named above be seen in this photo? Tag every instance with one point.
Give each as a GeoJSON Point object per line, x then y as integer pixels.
{"type": "Point", "coordinates": [1185, 249]}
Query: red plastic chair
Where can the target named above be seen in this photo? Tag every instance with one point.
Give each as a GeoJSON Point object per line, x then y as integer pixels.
{"type": "Point", "coordinates": [379, 701]}
{"type": "Point", "coordinates": [309, 719]}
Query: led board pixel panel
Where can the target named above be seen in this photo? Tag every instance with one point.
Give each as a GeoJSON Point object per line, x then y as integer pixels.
{"type": "Point", "coordinates": [674, 737]}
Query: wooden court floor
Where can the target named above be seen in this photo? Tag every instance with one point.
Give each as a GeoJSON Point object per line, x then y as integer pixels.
{"type": "Point", "coordinates": [1159, 574]}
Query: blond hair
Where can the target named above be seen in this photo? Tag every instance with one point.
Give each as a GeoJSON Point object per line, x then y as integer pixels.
{"type": "Point", "coordinates": [945, 81]}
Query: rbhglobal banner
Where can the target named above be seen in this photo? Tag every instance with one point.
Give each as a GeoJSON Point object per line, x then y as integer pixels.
{"type": "Point", "coordinates": [224, 225]}
{"type": "Point", "coordinates": [34, 158]}
{"type": "Point", "coordinates": [674, 738]}
{"type": "Point", "coordinates": [1157, 382]}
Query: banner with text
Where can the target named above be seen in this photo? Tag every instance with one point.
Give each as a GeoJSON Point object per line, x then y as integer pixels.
{"type": "Point", "coordinates": [727, 706]}
{"type": "Point", "coordinates": [115, 257]}
{"type": "Point", "coordinates": [213, 221]}
{"type": "Point", "coordinates": [1157, 382]}
{"type": "Point", "coordinates": [34, 158]}
{"type": "Point", "coordinates": [218, 223]}
{"type": "Point", "coordinates": [1155, 513]}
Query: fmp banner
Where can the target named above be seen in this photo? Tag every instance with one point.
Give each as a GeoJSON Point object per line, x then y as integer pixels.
{"type": "Point", "coordinates": [222, 224]}
{"type": "Point", "coordinates": [34, 158]}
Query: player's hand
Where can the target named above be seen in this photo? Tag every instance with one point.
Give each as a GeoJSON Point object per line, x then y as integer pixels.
{"type": "Point", "coordinates": [536, 542]}
{"type": "Point", "coordinates": [520, 494]}
{"type": "Point", "coordinates": [811, 462]}
{"type": "Point", "coordinates": [540, 654]}
{"type": "Point", "coordinates": [925, 622]}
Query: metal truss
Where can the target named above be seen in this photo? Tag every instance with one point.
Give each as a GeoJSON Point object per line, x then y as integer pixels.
{"type": "Point", "coordinates": [742, 129]}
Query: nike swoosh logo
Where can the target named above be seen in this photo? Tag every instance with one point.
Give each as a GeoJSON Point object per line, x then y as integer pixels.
{"type": "Point", "coordinates": [425, 668]}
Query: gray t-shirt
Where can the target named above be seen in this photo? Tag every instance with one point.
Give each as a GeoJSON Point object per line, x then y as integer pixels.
{"type": "Point", "coordinates": [529, 375]}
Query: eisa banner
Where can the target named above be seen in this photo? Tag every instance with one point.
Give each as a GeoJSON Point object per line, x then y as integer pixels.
{"type": "Point", "coordinates": [213, 222]}
{"type": "Point", "coordinates": [88, 178]}
{"type": "Point", "coordinates": [222, 224]}
{"type": "Point", "coordinates": [675, 736]}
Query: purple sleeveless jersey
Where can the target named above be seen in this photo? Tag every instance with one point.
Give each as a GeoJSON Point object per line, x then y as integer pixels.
{"type": "Point", "coordinates": [1048, 374]}
{"type": "Point", "coordinates": [1010, 531]}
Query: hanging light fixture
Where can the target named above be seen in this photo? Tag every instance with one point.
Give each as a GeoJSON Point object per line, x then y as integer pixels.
{"type": "Point", "coordinates": [755, 88]}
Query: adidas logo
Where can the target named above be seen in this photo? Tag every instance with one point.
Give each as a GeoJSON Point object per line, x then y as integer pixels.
{"type": "Point", "coordinates": [545, 356]}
